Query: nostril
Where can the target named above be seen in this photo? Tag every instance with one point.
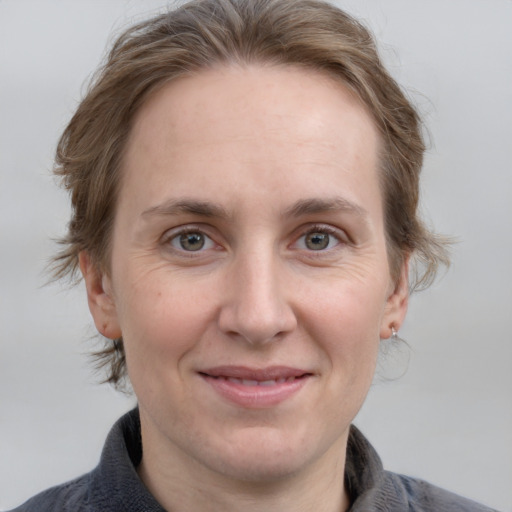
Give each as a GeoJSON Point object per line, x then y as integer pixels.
{"type": "Point", "coordinates": [258, 326]}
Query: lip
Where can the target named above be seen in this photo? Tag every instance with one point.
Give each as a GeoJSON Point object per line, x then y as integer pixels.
{"type": "Point", "coordinates": [256, 387]}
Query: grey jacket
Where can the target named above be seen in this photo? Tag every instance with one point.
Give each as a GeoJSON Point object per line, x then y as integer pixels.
{"type": "Point", "coordinates": [114, 486]}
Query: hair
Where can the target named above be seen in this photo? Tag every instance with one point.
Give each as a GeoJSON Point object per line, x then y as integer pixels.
{"type": "Point", "coordinates": [203, 34]}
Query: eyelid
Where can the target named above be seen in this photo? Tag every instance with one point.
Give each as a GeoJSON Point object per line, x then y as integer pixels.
{"type": "Point", "coordinates": [341, 236]}
{"type": "Point", "coordinates": [180, 230]}
{"type": "Point", "coordinates": [173, 233]}
{"type": "Point", "coordinates": [337, 233]}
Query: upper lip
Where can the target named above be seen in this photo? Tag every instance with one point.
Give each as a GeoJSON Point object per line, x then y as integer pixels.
{"type": "Point", "coordinates": [258, 374]}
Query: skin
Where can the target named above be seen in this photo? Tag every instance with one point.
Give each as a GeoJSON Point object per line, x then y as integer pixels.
{"type": "Point", "coordinates": [262, 165]}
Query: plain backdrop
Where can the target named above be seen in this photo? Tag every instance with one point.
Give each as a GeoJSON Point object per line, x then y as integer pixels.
{"type": "Point", "coordinates": [447, 420]}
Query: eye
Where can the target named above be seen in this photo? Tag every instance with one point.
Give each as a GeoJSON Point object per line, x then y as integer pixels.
{"type": "Point", "coordinates": [191, 241]}
{"type": "Point", "coordinates": [319, 239]}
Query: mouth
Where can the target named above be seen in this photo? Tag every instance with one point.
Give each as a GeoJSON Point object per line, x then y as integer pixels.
{"type": "Point", "coordinates": [254, 382]}
{"type": "Point", "coordinates": [255, 388]}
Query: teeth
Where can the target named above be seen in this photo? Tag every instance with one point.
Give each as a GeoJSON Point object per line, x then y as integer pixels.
{"type": "Point", "coordinates": [246, 382]}
{"type": "Point", "coordinates": [249, 382]}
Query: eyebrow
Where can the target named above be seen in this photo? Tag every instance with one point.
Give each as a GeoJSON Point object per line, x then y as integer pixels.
{"type": "Point", "coordinates": [214, 210]}
{"type": "Point", "coordinates": [317, 205]}
{"type": "Point", "coordinates": [191, 206]}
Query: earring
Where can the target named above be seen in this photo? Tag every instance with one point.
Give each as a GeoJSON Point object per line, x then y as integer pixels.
{"type": "Point", "coordinates": [394, 333]}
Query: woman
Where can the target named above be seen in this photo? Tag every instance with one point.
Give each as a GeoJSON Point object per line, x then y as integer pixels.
{"type": "Point", "coordinates": [244, 180]}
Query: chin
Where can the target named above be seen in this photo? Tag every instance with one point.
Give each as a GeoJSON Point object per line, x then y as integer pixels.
{"type": "Point", "coordinates": [264, 470]}
{"type": "Point", "coordinates": [263, 456]}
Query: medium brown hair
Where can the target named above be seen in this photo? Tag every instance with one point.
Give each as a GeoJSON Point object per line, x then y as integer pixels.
{"type": "Point", "coordinates": [202, 34]}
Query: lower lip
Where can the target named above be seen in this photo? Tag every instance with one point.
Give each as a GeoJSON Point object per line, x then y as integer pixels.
{"type": "Point", "coordinates": [256, 396]}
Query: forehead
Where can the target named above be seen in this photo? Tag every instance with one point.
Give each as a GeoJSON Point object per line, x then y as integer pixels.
{"type": "Point", "coordinates": [266, 95]}
{"type": "Point", "coordinates": [278, 122]}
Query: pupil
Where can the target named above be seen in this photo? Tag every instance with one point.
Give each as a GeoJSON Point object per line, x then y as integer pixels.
{"type": "Point", "coordinates": [192, 241]}
{"type": "Point", "coordinates": [317, 241]}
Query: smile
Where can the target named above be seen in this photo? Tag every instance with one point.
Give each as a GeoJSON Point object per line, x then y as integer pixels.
{"type": "Point", "coordinates": [249, 382]}
{"type": "Point", "coordinates": [255, 388]}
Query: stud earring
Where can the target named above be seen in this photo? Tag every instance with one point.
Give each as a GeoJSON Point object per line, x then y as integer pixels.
{"type": "Point", "coordinates": [394, 333]}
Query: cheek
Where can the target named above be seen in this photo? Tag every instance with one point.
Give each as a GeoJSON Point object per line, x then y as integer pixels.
{"type": "Point", "coordinates": [345, 320]}
{"type": "Point", "coordinates": [353, 308]}
{"type": "Point", "coordinates": [346, 333]}
{"type": "Point", "coordinates": [161, 322]}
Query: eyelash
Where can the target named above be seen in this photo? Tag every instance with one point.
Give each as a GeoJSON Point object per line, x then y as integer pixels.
{"type": "Point", "coordinates": [174, 235]}
{"type": "Point", "coordinates": [323, 229]}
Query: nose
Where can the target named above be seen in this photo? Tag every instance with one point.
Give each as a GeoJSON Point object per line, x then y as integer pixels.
{"type": "Point", "coordinates": [256, 308]}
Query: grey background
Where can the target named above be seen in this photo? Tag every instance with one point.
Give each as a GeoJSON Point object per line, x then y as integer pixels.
{"type": "Point", "coordinates": [447, 420]}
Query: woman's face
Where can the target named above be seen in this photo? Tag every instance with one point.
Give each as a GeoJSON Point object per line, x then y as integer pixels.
{"type": "Point", "coordinates": [250, 280]}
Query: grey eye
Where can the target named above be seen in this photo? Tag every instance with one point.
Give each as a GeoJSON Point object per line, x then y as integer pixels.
{"type": "Point", "coordinates": [317, 241]}
{"type": "Point", "coordinates": [190, 241]}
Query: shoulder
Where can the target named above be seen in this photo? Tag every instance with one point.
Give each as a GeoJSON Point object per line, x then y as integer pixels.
{"type": "Point", "coordinates": [425, 497]}
{"type": "Point", "coordinates": [113, 485]}
{"type": "Point", "coordinates": [376, 490]}
{"type": "Point", "coordinates": [68, 497]}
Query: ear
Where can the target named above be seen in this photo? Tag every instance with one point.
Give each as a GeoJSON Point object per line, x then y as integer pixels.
{"type": "Point", "coordinates": [99, 297]}
{"type": "Point", "coordinates": [396, 304]}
